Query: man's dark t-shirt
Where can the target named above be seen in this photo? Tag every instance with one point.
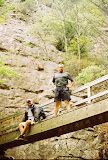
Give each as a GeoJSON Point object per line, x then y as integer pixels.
{"type": "Point", "coordinates": [61, 79]}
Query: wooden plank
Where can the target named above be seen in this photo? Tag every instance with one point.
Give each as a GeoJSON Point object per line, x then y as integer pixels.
{"type": "Point", "coordinates": [92, 97]}
{"type": "Point", "coordinates": [59, 125]}
{"type": "Point", "coordinates": [91, 83]}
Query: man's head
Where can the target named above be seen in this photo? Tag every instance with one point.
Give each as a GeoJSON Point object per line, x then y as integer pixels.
{"type": "Point", "coordinates": [29, 102]}
{"type": "Point", "coordinates": [61, 67]}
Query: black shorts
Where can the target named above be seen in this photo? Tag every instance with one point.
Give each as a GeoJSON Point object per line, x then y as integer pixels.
{"type": "Point", "coordinates": [61, 94]}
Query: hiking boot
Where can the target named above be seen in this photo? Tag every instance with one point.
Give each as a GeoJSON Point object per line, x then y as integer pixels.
{"type": "Point", "coordinates": [21, 137]}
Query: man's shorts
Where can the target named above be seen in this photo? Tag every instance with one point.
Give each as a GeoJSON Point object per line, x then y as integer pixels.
{"type": "Point", "coordinates": [61, 94]}
{"type": "Point", "coordinates": [23, 123]}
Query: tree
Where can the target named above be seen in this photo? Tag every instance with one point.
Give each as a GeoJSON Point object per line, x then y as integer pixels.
{"type": "Point", "coordinates": [72, 26]}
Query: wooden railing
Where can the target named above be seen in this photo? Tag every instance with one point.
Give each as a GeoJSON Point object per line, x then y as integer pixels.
{"type": "Point", "coordinates": [89, 86]}
{"type": "Point", "coordinates": [13, 120]}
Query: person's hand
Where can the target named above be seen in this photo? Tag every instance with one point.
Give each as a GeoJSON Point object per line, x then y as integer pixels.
{"type": "Point", "coordinates": [68, 86]}
{"type": "Point", "coordinates": [53, 85]}
{"type": "Point", "coordinates": [32, 123]}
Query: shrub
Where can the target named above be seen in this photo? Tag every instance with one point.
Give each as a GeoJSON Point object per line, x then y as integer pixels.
{"type": "Point", "coordinates": [26, 7]}
{"type": "Point", "coordinates": [1, 3]}
{"type": "Point", "coordinates": [72, 64]}
{"type": "Point", "coordinates": [6, 72]}
{"type": "Point", "coordinates": [89, 74]}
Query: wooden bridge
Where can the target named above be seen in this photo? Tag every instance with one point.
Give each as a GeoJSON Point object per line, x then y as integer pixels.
{"type": "Point", "coordinates": [88, 112]}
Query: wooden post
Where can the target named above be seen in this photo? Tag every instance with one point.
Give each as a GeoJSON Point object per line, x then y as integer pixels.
{"type": "Point", "coordinates": [89, 93]}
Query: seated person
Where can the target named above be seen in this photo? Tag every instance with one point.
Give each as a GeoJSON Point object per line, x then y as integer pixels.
{"type": "Point", "coordinates": [32, 115]}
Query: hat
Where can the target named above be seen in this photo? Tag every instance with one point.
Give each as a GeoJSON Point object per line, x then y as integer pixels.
{"type": "Point", "coordinates": [28, 100]}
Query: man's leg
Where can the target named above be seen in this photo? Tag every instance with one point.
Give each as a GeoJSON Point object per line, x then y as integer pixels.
{"type": "Point", "coordinates": [67, 105]}
{"type": "Point", "coordinates": [28, 122]}
{"type": "Point", "coordinates": [21, 128]}
{"type": "Point", "coordinates": [57, 103]}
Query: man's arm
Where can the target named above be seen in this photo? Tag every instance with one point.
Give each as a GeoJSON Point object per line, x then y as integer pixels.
{"type": "Point", "coordinates": [72, 81]}
{"type": "Point", "coordinates": [53, 82]}
{"type": "Point", "coordinates": [71, 84]}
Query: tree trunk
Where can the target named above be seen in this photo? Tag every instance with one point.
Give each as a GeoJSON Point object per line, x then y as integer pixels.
{"type": "Point", "coordinates": [78, 34]}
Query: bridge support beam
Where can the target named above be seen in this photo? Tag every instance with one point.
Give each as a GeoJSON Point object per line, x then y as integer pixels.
{"type": "Point", "coordinates": [81, 118]}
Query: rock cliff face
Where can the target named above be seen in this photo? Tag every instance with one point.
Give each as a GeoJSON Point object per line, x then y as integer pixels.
{"type": "Point", "coordinates": [22, 53]}
{"type": "Point", "coordinates": [34, 68]}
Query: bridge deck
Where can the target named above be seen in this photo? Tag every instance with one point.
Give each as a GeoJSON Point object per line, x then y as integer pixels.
{"type": "Point", "coordinates": [88, 116]}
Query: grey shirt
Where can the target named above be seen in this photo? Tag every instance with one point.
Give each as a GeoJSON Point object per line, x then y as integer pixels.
{"type": "Point", "coordinates": [61, 79]}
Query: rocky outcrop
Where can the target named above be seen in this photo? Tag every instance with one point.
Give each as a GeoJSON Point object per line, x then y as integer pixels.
{"type": "Point", "coordinates": [22, 52]}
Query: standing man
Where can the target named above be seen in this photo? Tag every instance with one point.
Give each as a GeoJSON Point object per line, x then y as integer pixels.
{"type": "Point", "coordinates": [60, 79]}
{"type": "Point", "coordinates": [32, 114]}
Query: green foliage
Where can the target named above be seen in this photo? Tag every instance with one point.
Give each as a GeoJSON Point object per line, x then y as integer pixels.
{"type": "Point", "coordinates": [1, 3]}
{"type": "Point", "coordinates": [72, 64]}
{"type": "Point", "coordinates": [6, 72]}
{"type": "Point", "coordinates": [58, 25]}
{"type": "Point", "coordinates": [66, 31]}
{"type": "Point", "coordinates": [56, 22]}
{"type": "Point", "coordinates": [25, 7]}
{"type": "Point", "coordinates": [101, 4]}
{"type": "Point", "coordinates": [2, 13]}
{"type": "Point", "coordinates": [89, 74]}
{"type": "Point", "coordinates": [73, 47]}
{"type": "Point", "coordinates": [5, 9]}
{"type": "Point", "coordinates": [22, 7]}
{"type": "Point", "coordinates": [2, 19]}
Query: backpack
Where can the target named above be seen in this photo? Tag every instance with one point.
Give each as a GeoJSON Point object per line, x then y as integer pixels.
{"type": "Point", "coordinates": [39, 113]}
{"type": "Point", "coordinates": [42, 114]}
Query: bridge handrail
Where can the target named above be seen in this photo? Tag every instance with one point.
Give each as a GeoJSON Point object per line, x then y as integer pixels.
{"type": "Point", "coordinates": [92, 97]}
{"type": "Point", "coordinates": [86, 86]}
{"type": "Point", "coordinates": [90, 84]}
